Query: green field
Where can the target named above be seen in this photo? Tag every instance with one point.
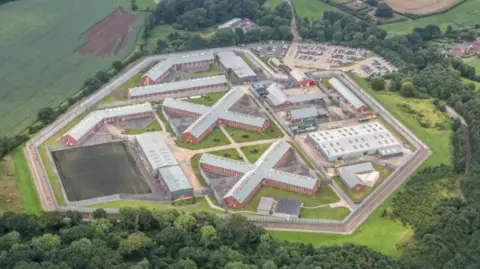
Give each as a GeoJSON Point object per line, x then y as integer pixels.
{"type": "Point", "coordinates": [40, 68]}
{"type": "Point", "coordinates": [326, 212]}
{"type": "Point", "coordinates": [200, 205]}
{"type": "Point", "coordinates": [465, 14]}
{"type": "Point", "coordinates": [208, 99]}
{"type": "Point", "coordinates": [475, 63]}
{"type": "Point", "coordinates": [240, 135]}
{"type": "Point", "coordinates": [214, 139]}
{"type": "Point", "coordinates": [313, 8]}
{"type": "Point", "coordinates": [30, 201]}
{"type": "Point", "coordinates": [151, 127]}
{"type": "Point", "coordinates": [324, 195]}
{"type": "Point", "coordinates": [273, 3]}
{"type": "Point", "coordinates": [144, 4]}
{"type": "Point", "coordinates": [253, 153]}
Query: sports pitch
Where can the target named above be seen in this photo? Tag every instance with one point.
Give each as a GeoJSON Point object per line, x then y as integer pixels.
{"type": "Point", "coordinates": [99, 170]}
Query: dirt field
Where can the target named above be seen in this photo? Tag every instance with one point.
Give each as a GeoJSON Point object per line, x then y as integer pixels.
{"type": "Point", "coordinates": [101, 170]}
{"type": "Point", "coordinates": [420, 7]}
{"type": "Point", "coordinates": [110, 35]}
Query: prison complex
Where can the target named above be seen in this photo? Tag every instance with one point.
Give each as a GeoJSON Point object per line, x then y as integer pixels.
{"type": "Point", "coordinates": [262, 172]}
{"type": "Point", "coordinates": [355, 141]}
{"type": "Point", "coordinates": [236, 67]}
{"type": "Point", "coordinates": [93, 121]}
{"type": "Point", "coordinates": [347, 94]}
{"type": "Point", "coordinates": [185, 62]}
{"type": "Point", "coordinates": [180, 88]}
{"type": "Point", "coordinates": [209, 117]}
{"type": "Point", "coordinates": [279, 99]}
{"type": "Point", "coordinates": [160, 163]}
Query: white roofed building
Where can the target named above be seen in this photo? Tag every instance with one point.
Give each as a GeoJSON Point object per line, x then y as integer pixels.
{"type": "Point", "coordinates": [354, 141]}
{"type": "Point", "coordinates": [301, 79]}
{"type": "Point", "coordinates": [278, 99]}
{"type": "Point", "coordinates": [188, 61]}
{"type": "Point", "coordinates": [90, 124]}
{"type": "Point", "coordinates": [160, 162]}
{"type": "Point", "coordinates": [179, 88]}
{"type": "Point", "coordinates": [262, 172]}
{"type": "Point", "coordinates": [209, 117]}
{"type": "Point", "coordinates": [235, 66]}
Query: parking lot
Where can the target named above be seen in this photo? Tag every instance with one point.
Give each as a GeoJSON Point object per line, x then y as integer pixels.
{"type": "Point", "coordinates": [272, 50]}
{"type": "Point", "coordinates": [373, 67]}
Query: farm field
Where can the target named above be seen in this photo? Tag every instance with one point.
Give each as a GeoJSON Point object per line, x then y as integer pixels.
{"type": "Point", "coordinates": [313, 8]}
{"type": "Point", "coordinates": [463, 15]}
{"type": "Point", "coordinates": [39, 41]}
{"type": "Point", "coordinates": [420, 7]}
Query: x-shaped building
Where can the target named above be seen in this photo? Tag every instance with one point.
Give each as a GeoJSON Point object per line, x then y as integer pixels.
{"type": "Point", "coordinates": [209, 117]}
{"type": "Point", "coordinates": [263, 172]}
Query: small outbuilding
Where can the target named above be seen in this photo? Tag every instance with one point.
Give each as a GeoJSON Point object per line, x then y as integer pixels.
{"type": "Point", "coordinates": [265, 205]}
{"type": "Point", "coordinates": [288, 208]}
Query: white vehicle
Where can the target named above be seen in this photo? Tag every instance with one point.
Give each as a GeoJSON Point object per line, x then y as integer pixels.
{"type": "Point", "coordinates": [285, 47]}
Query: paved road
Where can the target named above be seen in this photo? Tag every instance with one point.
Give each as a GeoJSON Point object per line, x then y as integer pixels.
{"type": "Point", "coordinates": [294, 24]}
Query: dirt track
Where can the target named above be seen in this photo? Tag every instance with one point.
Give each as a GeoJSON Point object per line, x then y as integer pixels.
{"type": "Point", "coordinates": [110, 35]}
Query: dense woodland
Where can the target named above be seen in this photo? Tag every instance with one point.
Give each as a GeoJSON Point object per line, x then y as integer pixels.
{"type": "Point", "coordinates": [447, 230]}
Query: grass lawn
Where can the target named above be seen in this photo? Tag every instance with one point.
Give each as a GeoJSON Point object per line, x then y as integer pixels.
{"type": "Point", "coordinates": [208, 99]}
{"type": "Point", "coordinates": [358, 196]}
{"type": "Point", "coordinates": [214, 201]}
{"type": "Point", "coordinates": [240, 135]}
{"type": "Point", "coordinates": [57, 190]}
{"type": "Point", "coordinates": [144, 4]}
{"type": "Point", "coordinates": [200, 205]}
{"type": "Point", "coordinates": [326, 212]}
{"type": "Point", "coordinates": [465, 14]}
{"type": "Point", "coordinates": [324, 195]}
{"type": "Point", "coordinates": [228, 153]}
{"type": "Point", "coordinates": [313, 8]}
{"type": "Point", "coordinates": [164, 120]}
{"type": "Point", "coordinates": [468, 81]}
{"type": "Point", "coordinates": [151, 127]}
{"type": "Point", "coordinates": [194, 164]}
{"type": "Point", "coordinates": [437, 140]}
{"type": "Point", "coordinates": [273, 3]}
{"type": "Point", "coordinates": [11, 198]}
{"type": "Point", "coordinates": [253, 153]}
{"type": "Point", "coordinates": [120, 93]}
{"type": "Point", "coordinates": [30, 200]}
{"type": "Point", "coordinates": [214, 139]}
{"type": "Point", "coordinates": [475, 63]}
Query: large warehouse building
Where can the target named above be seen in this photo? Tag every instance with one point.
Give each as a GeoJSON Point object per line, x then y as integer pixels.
{"type": "Point", "coordinates": [355, 141]}
{"type": "Point", "coordinates": [279, 99]}
{"type": "Point", "coordinates": [262, 172]}
{"type": "Point", "coordinates": [236, 67]}
{"type": "Point", "coordinates": [90, 124]}
{"type": "Point", "coordinates": [209, 117]}
{"type": "Point", "coordinates": [160, 163]}
{"type": "Point", "coordinates": [347, 94]}
{"type": "Point", "coordinates": [189, 61]}
{"type": "Point", "coordinates": [179, 88]}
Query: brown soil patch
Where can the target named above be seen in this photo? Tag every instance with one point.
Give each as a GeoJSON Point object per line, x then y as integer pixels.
{"type": "Point", "coordinates": [420, 7]}
{"type": "Point", "coordinates": [110, 35]}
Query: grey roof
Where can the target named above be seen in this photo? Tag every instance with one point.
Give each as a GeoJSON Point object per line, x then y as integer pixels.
{"type": "Point", "coordinates": [174, 178]}
{"type": "Point", "coordinates": [238, 166]}
{"type": "Point", "coordinates": [322, 111]}
{"type": "Point", "coordinates": [156, 150]}
{"type": "Point", "coordinates": [96, 117]}
{"type": "Point", "coordinates": [161, 159]}
{"type": "Point", "coordinates": [234, 62]}
{"type": "Point", "coordinates": [298, 75]}
{"type": "Point", "coordinates": [392, 151]}
{"type": "Point", "coordinates": [265, 204]}
{"type": "Point", "coordinates": [210, 115]}
{"type": "Point", "coordinates": [165, 88]}
{"type": "Point", "coordinates": [277, 96]}
{"type": "Point", "coordinates": [358, 138]}
{"type": "Point", "coordinates": [348, 173]}
{"type": "Point", "coordinates": [263, 168]}
{"type": "Point", "coordinates": [289, 207]}
{"type": "Point", "coordinates": [346, 93]}
{"type": "Point", "coordinates": [159, 69]}
{"type": "Point", "coordinates": [303, 113]}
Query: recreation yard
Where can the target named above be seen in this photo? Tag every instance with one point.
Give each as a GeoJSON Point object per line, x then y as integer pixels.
{"type": "Point", "coordinates": [45, 60]}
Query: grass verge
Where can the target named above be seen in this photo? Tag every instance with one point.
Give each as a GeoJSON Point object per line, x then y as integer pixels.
{"type": "Point", "coordinates": [24, 180]}
{"type": "Point", "coordinates": [326, 212]}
